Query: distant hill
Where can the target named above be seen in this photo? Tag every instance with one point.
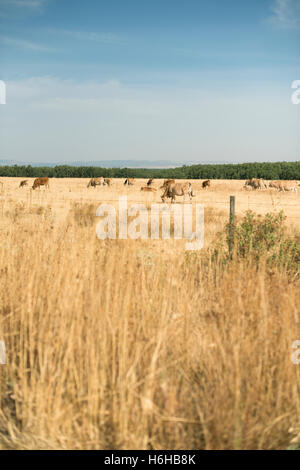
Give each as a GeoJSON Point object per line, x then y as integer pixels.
{"type": "Point", "coordinates": [9, 162]}
{"type": "Point", "coordinates": [110, 163]}
{"type": "Point", "coordinates": [125, 164]}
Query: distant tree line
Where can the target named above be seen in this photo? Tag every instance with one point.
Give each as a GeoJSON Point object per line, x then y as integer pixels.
{"type": "Point", "coordinates": [269, 171]}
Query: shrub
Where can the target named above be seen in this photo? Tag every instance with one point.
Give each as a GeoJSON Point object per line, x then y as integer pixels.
{"type": "Point", "coordinates": [259, 236]}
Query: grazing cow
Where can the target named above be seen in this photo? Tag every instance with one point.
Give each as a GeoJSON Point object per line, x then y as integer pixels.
{"type": "Point", "coordinates": [96, 182]}
{"type": "Point", "coordinates": [206, 184]}
{"type": "Point", "coordinates": [149, 190]}
{"type": "Point", "coordinates": [276, 184]}
{"type": "Point", "coordinates": [129, 182]}
{"type": "Point", "coordinates": [23, 183]}
{"type": "Point", "coordinates": [262, 184]}
{"type": "Point", "coordinates": [252, 183]}
{"type": "Point", "coordinates": [107, 182]}
{"type": "Point", "coordinates": [255, 183]}
{"type": "Point", "coordinates": [177, 189]}
{"type": "Point", "coordinates": [290, 186]}
{"type": "Point", "coordinates": [166, 183]}
{"type": "Point", "coordinates": [284, 186]}
{"type": "Point", "coordinates": [38, 182]}
{"type": "Point", "coordinates": [149, 182]}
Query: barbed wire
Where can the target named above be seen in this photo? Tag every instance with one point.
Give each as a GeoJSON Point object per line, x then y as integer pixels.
{"type": "Point", "coordinates": [194, 202]}
{"type": "Point", "coordinates": [274, 205]}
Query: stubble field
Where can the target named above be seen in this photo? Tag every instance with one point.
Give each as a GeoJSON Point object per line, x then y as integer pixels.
{"type": "Point", "coordinates": [139, 344]}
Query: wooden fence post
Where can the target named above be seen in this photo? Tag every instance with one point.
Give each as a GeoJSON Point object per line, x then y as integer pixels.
{"type": "Point", "coordinates": [231, 225]}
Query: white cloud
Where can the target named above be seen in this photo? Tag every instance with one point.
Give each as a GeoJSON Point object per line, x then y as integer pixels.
{"type": "Point", "coordinates": [51, 119]}
{"type": "Point", "coordinates": [54, 94]}
{"type": "Point", "coordinates": [103, 37]}
{"type": "Point", "coordinates": [23, 3]}
{"type": "Point", "coordinates": [17, 8]}
{"type": "Point", "coordinates": [286, 14]}
{"type": "Point", "coordinates": [23, 44]}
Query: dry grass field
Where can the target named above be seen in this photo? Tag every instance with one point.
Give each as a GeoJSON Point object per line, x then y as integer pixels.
{"type": "Point", "coordinates": [139, 344]}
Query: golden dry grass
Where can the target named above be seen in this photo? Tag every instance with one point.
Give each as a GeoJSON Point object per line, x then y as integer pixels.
{"type": "Point", "coordinates": [123, 344]}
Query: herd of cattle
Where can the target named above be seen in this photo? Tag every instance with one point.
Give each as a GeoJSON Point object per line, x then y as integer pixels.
{"type": "Point", "coordinates": [259, 183]}
{"type": "Point", "coordinates": [171, 189]}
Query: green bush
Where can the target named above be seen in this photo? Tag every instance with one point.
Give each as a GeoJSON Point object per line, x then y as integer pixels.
{"type": "Point", "coordinates": [259, 236]}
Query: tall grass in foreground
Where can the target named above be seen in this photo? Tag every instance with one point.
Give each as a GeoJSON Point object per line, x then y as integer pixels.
{"type": "Point", "coordinates": [123, 345]}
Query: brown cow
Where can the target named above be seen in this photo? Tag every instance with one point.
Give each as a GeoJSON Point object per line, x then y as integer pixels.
{"type": "Point", "coordinates": [206, 184]}
{"type": "Point", "coordinates": [284, 186]}
{"type": "Point", "coordinates": [44, 181]}
{"type": "Point", "coordinates": [107, 181]}
{"type": "Point", "coordinates": [23, 183]}
{"type": "Point", "coordinates": [147, 189]}
{"type": "Point", "coordinates": [276, 184]}
{"type": "Point", "coordinates": [178, 189]}
{"type": "Point", "coordinates": [255, 183]}
{"type": "Point", "coordinates": [129, 181]}
{"type": "Point", "coordinates": [96, 182]}
{"type": "Point", "coordinates": [166, 183]}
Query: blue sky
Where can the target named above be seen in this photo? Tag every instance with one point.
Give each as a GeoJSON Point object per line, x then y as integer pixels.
{"type": "Point", "coordinates": [185, 81]}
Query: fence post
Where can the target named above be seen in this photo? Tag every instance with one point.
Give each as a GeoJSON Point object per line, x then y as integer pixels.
{"type": "Point", "coordinates": [2, 353]}
{"type": "Point", "coordinates": [231, 225]}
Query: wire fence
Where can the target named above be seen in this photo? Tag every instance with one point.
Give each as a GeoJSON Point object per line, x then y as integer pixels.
{"type": "Point", "coordinates": [274, 204]}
